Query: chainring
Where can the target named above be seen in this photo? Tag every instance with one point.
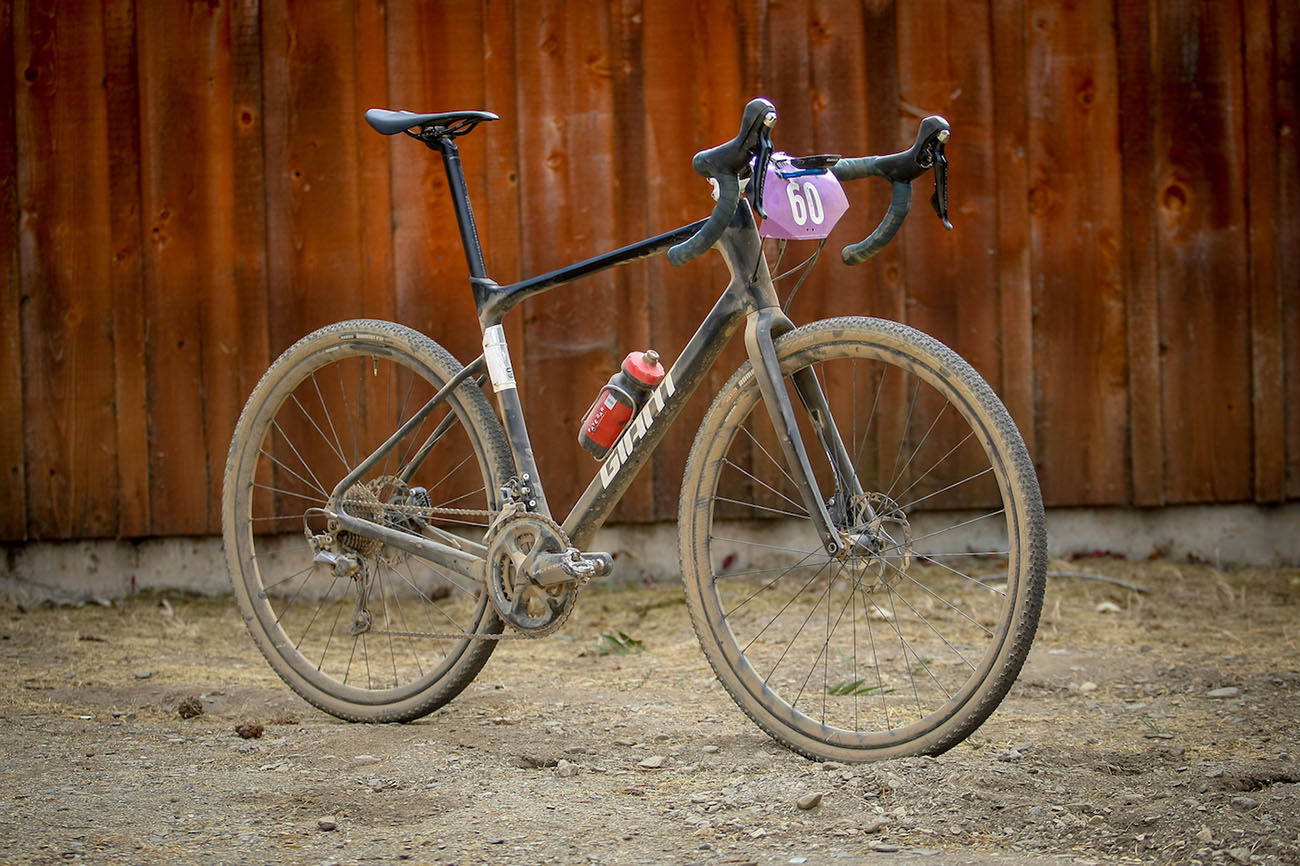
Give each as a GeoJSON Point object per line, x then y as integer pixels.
{"type": "Point", "coordinates": [532, 610]}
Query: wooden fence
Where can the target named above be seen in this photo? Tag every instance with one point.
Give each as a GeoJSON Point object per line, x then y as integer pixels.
{"type": "Point", "coordinates": [187, 187]}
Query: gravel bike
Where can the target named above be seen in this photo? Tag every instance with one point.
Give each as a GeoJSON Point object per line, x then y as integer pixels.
{"type": "Point", "coordinates": [861, 533]}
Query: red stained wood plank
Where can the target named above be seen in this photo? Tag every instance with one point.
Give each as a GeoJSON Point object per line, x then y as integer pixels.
{"type": "Point", "coordinates": [249, 201]}
{"type": "Point", "coordinates": [1202, 274]}
{"type": "Point", "coordinates": [944, 63]}
{"type": "Point", "coordinates": [13, 506]}
{"type": "Point", "coordinates": [64, 254]}
{"type": "Point", "coordinates": [693, 100]}
{"type": "Point", "coordinates": [435, 64]}
{"type": "Point", "coordinates": [567, 178]}
{"type": "Point", "coordinates": [1146, 421]}
{"type": "Point", "coordinates": [1268, 394]}
{"type": "Point", "coordinates": [190, 294]}
{"type": "Point", "coordinates": [1011, 165]}
{"type": "Point", "coordinates": [1286, 54]}
{"type": "Point", "coordinates": [312, 120]}
{"type": "Point", "coordinates": [1076, 228]}
{"type": "Point", "coordinates": [880, 28]}
{"type": "Point", "coordinates": [129, 323]}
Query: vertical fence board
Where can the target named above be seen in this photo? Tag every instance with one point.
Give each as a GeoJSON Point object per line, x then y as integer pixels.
{"type": "Point", "coordinates": [1268, 393]}
{"type": "Point", "coordinates": [194, 325]}
{"type": "Point", "coordinates": [313, 231]}
{"type": "Point", "coordinates": [888, 292]}
{"type": "Point", "coordinates": [1011, 165]}
{"type": "Point", "coordinates": [1146, 423]}
{"type": "Point", "coordinates": [1286, 54]}
{"type": "Point", "coordinates": [568, 176]}
{"type": "Point", "coordinates": [952, 277]}
{"type": "Point", "coordinates": [249, 213]}
{"type": "Point", "coordinates": [708, 77]}
{"type": "Point", "coordinates": [631, 220]}
{"type": "Point", "coordinates": [1076, 235]}
{"type": "Point", "coordinates": [1200, 241]}
{"type": "Point", "coordinates": [13, 506]}
{"type": "Point", "coordinates": [130, 349]}
{"type": "Point", "coordinates": [64, 250]}
{"type": "Point", "coordinates": [371, 166]}
{"type": "Point", "coordinates": [435, 64]}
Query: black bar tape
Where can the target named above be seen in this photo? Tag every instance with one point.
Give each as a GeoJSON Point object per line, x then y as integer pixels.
{"type": "Point", "coordinates": [708, 235]}
{"type": "Point", "coordinates": [856, 254]}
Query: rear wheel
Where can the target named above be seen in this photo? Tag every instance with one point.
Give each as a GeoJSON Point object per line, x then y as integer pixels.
{"type": "Point", "coordinates": [906, 639]}
{"type": "Point", "coordinates": [359, 628]}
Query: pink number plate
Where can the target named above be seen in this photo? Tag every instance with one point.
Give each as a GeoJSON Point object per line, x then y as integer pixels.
{"type": "Point", "coordinates": [800, 205]}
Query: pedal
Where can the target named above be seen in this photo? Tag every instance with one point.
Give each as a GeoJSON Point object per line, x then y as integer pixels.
{"type": "Point", "coordinates": [586, 566]}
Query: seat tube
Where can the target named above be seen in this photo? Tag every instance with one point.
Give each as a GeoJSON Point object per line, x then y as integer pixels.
{"type": "Point", "coordinates": [767, 372]}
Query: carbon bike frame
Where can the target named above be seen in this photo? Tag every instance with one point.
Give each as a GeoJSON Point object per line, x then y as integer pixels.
{"type": "Point", "coordinates": [749, 296]}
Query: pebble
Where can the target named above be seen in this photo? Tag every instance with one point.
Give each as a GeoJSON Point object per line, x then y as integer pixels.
{"type": "Point", "coordinates": [143, 675]}
{"type": "Point", "coordinates": [654, 762]}
{"type": "Point", "coordinates": [809, 801]}
{"type": "Point", "coordinates": [884, 848]}
{"type": "Point", "coordinates": [875, 825]}
{"type": "Point", "coordinates": [365, 759]}
{"type": "Point", "coordinates": [566, 769]}
{"type": "Point", "coordinates": [834, 765]}
{"type": "Point", "coordinates": [326, 822]}
{"type": "Point", "coordinates": [1011, 755]}
{"type": "Point", "coordinates": [710, 750]}
{"type": "Point", "coordinates": [1205, 835]}
{"type": "Point", "coordinates": [1245, 802]}
{"type": "Point", "coordinates": [1225, 692]}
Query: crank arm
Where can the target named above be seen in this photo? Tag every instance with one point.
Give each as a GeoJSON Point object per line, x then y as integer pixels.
{"type": "Point", "coordinates": [567, 566]}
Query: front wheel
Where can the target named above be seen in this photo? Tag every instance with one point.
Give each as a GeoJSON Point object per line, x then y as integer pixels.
{"type": "Point", "coordinates": [909, 636]}
{"type": "Point", "coordinates": [363, 630]}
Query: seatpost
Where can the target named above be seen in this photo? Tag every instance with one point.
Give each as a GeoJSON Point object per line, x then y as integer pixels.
{"type": "Point", "coordinates": [464, 210]}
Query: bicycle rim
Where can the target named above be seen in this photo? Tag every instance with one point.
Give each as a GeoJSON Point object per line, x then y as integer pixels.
{"type": "Point", "coordinates": [905, 643]}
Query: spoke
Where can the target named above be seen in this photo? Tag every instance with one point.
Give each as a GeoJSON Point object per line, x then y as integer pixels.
{"type": "Point", "coordinates": [875, 404]}
{"type": "Point", "coordinates": [762, 545]}
{"type": "Point", "coordinates": [314, 480]}
{"type": "Point", "coordinates": [757, 480]}
{"type": "Point", "coordinates": [281, 490]}
{"type": "Point", "coordinates": [777, 463]}
{"type": "Point", "coordinates": [916, 450]}
{"type": "Point", "coordinates": [963, 575]}
{"type": "Point", "coordinates": [952, 486]}
{"type": "Point", "coordinates": [771, 583]}
{"type": "Point", "coordinates": [799, 630]}
{"type": "Point", "coordinates": [757, 507]}
{"type": "Point", "coordinates": [902, 440]}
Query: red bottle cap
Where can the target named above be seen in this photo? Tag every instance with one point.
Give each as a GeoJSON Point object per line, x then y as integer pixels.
{"type": "Point", "coordinates": [644, 367]}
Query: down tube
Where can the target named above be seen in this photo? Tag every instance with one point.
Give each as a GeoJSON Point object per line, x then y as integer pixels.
{"type": "Point", "coordinates": [636, 446]}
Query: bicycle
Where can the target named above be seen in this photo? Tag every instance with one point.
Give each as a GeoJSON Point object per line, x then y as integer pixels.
{"type": "Point", "coordinates": [849, 493]}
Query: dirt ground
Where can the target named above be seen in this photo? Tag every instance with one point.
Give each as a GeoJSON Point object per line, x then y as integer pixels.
{"type": "Point", "coordinates": [1148, 727]}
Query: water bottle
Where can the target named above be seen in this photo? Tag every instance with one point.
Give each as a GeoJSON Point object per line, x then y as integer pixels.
{"type": "Point", "coordinates": [623, 395]}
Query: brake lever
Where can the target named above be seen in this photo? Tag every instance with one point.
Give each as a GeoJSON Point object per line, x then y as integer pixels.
{"type": "Point", "coordinates": [939, 200]}
{"type": "Point", "coordinates": [762, 156]}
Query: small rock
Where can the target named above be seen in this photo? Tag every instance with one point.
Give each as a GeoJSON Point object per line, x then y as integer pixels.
{"type": "Point", "coordinates": [1010, 755]}
{"type": "Point", "coordinates": [250, 730]}
{"type": "Point", "coordinates": [710, 750]}
{"type": "Point", "coordinates": [326, 822]}
{"type": "Point", "coordinates": [1089, 686]}
{"type": "Point", "coordinates": [1214, 772]}
{"type": "Point", "coordinates": [566, 769]}
{"type": "Point", "coordinates": [1241, 855]}
{"type": "Point", "coordinates": [143, 675]}
{"type": "Point", "coordinates": [654, 762]}
{"type": "Point", "coordinates": [1205, 835]}
{"type": "Point", "coordinates": [1225, 692]}
{"type": "Point", "coordinates": [190, 707]}
{"type": "Point", "coordinates": [809, 801]}
{"type": "Point", "coordinates": [834, 765]}
{"type": "Point", "coordinates": [365, 759]}
{"type": "Point", "coordinates": [1244, 802]}
{"type": "Point", "coordinates": [1108, 607]}
{"type": "Point", "coordinates": [875, 825]}
{"type": "Point", "coordinates": [884, 848]}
